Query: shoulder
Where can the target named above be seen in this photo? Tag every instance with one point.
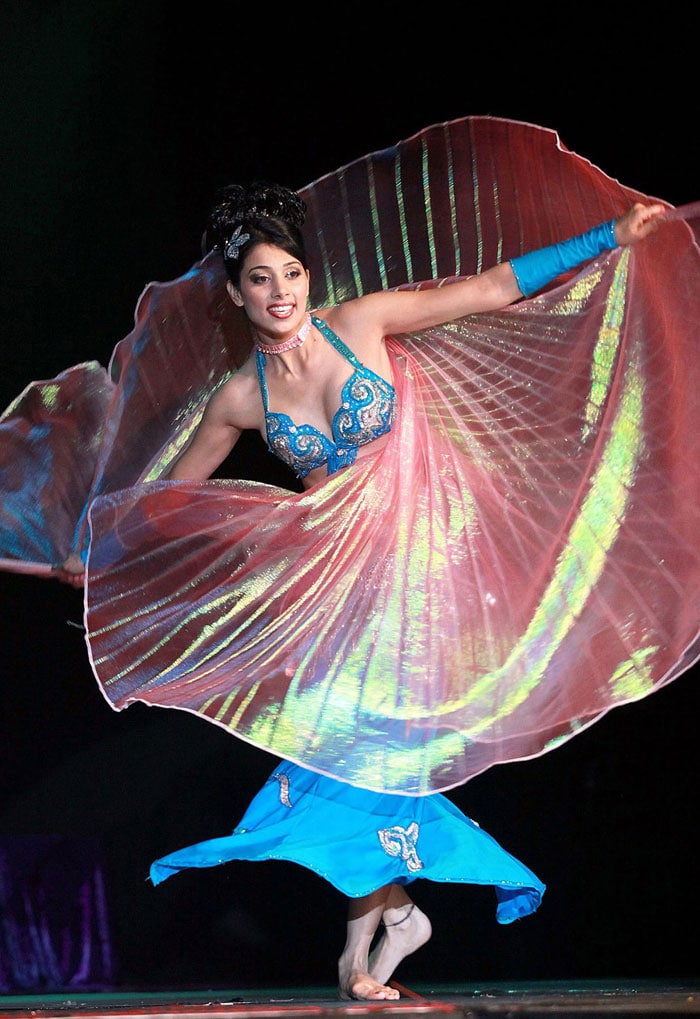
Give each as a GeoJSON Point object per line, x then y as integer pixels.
{"type": "Point", "coordinates": [383, 313]}
{"type": "Point", "coordinates": [361, 326]}
{"type": "Point", "coordinates": [238, 398]}
{"type": "Point", "coordinates": [358, 322]}
{"type": "Point", "coordinates": [364, 310]}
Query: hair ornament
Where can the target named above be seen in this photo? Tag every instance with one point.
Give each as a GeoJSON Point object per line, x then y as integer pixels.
{"type": "Point", "coordinates": [232, 248]}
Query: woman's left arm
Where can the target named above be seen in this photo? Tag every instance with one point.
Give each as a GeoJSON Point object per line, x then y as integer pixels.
{"type": "Point", "coordinates": [501, 285]}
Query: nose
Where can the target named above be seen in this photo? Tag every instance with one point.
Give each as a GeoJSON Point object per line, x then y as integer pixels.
{"type": "Point", "coordinates": [279, 286]}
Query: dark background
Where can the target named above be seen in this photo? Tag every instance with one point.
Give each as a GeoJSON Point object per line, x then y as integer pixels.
{"type": "Point", "coordinates": [118, 121]}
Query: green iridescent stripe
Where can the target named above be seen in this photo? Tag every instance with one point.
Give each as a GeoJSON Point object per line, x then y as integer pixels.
{"type": "Point", "coordinates": [606, 349]}
{"type": "Point", "coordinates": [477, 211]}
{"type": "Point", "coordinates": [453, 203]}
{"type": "Point", "coordinates": [496, 204]}
{"type": "Point", "coordinates": [402, 217]}
{"type": "Point", "coordinates": [375, 224]}
{"type": "Point", "coordinates": [427, 205]}
{"type": "Point", "coordinates": [349, 237]}
{"type": "Point", "coordinates": [49, 396]}
{"type": "Point", "coordinates": [633, 678]}
{"type": "Point", "coordinates": [581, 564]}
{"type": "Point", "coordinates": [167, 455]}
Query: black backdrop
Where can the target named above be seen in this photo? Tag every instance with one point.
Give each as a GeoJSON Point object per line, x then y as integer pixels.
{"type": "Point", "coordinates": [118, 121]}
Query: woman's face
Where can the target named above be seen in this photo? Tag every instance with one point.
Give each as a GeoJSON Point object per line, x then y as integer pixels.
{"type": "Point", "coordinates": [273, 291]}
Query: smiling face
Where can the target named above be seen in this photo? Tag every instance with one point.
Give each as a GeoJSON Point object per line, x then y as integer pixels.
{"type": "Point", "coordinates": [273, 291]}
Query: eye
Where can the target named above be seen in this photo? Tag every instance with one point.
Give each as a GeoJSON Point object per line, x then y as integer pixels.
{"type": "Point", "coordinates": [294, 274]}
{"type": "Point", "coordinates": [258, 278]}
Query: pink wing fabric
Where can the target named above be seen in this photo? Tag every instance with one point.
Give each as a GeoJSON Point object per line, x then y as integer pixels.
{"type": "Point", "coordinates": [451, 200]}
{"type": "Point", "coordinates": [90, 430]}
{"type": "Point", "coordinates": [49, 446]}
{"type": "Point", "coordinates": [518, 559]}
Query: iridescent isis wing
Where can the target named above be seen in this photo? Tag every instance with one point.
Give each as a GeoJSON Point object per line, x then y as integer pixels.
{"type": "Point", "coordinates": [452, 200]}
{"type": "Point", "coordinates": [519, 558]}
{"type": "Point", "coordinates": [49, 445]}
{"type": "Point", "coordinates": [91, 430]}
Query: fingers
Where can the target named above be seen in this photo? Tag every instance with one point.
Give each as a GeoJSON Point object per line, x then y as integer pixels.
{"type": "Point", "coordinates": [72, 579]}
{"type": "Point", "coordinates": [639, 221]}
{"type": "Point", "coordinates": [650, 214]}
{"type": "Point", "coordinates": [71, 571]}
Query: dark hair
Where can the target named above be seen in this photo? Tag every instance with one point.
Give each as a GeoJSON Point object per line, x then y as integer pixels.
{"type": "Point", "coordinates": [266, 213]}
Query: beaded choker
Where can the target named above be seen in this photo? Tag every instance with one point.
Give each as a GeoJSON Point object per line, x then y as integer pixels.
{"type": "Point", "coordinates": [290, 344]}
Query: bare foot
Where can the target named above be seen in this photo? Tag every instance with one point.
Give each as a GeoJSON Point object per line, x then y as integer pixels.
{"type": "Point", "coordinates": [398, 941]}
{"type": "Point", "coordinates": [362, 987]}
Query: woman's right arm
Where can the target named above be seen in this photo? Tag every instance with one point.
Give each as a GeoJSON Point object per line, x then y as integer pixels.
{"type": "Point", "coordinates": [215, 437]}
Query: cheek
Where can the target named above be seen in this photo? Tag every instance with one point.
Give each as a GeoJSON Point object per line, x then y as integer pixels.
{"type": "Point", "coordinates": [250, 297]}
{"type": "Point", "coordinates": [254, 302]}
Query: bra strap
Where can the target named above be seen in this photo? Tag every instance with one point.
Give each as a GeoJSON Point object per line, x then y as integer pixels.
{"type": "Point", "coordinates": [260, 362]}
{"type": "Point", "coordinates": [335, 341]}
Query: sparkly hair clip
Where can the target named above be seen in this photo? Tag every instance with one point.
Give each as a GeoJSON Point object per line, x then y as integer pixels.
{"type": "Point", "coordinates": [232, 248]}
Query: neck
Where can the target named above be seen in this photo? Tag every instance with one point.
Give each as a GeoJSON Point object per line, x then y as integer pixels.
{"type": "Point", "coordinates": [291, 343]}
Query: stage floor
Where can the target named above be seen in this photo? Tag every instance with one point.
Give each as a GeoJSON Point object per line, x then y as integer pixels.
{"type": "Point", "coordinates": [532, 1000]}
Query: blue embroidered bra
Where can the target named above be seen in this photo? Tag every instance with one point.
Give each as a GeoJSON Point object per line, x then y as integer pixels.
{"type": "Point", "coordinates": [366, 412]}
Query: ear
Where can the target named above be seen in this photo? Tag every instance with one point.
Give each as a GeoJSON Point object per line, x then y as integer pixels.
{"type": "Point", "coordinates": [234, 293]}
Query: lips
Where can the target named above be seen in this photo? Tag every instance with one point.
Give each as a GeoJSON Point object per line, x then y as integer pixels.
{"type": "Point", "coordinates": [281, 310]}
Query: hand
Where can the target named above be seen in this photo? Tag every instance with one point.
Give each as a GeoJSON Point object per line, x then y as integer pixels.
{"type": "Point", "coordinates": [71, 571]}
{"type": "Point", "coordinates": [639, 221]}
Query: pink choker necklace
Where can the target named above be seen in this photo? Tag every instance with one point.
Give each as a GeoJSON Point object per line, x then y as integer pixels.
{"type": "Point", "coordinates": [290, 344]}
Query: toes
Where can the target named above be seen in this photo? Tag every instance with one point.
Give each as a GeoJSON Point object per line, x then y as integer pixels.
{"type": "Point", "coordinates": [364, 988]}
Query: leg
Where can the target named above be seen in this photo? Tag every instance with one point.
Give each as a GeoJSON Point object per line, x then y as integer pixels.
{"type": "Point", "coordinates": [354, 980]}
{"type": "Point", "coordinates": [406, 928]}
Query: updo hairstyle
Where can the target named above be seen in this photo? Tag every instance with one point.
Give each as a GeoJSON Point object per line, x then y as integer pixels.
{"type": "Point", "coordinates": [266, 213]}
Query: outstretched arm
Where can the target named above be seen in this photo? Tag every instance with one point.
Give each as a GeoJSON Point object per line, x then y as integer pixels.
{"type": "Point", "coordinates": [537, 268]}
{"type": "Point", "coordinates": [501, 285]}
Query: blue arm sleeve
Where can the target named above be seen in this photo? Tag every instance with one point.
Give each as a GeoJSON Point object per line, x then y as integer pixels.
{"type": "Point", "coordinates": [537, 268]}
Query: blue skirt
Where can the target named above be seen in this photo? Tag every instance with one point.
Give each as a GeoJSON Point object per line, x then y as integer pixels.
{"type": "Point", "coordinates": [360, 841]}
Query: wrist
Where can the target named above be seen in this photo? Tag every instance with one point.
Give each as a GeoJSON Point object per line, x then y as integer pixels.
{"type": "Point", "coordinates": [537, 268]}
{"type": "Point", "coordinates": [609, 234]}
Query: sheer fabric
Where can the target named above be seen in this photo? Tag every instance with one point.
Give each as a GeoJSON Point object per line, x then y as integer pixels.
{"type": "Point", "coordinates": [65, 440]}
{"type": "Point", "coordinates": [512, 563]}
{"type": "Point", "coordinates": [520, 557]}
{"type": "Point", "coordinates": [450, 201]}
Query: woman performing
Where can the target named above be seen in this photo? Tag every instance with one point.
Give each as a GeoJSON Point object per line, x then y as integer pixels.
{"type": "Point", "coordinates": [468, 574]}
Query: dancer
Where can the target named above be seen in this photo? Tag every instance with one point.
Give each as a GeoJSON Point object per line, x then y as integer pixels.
{"type": "Point", "coordinates": [319, 387]}
{"type": "Point", "coordinates": [477, 566]}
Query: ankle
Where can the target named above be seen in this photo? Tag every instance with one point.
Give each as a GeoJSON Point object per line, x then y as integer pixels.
{"type": "Point", "coordinates": [394, 917]}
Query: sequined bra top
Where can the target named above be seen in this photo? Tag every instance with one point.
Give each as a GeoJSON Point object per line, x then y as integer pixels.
{"type": "Point", "coordinates": [366, 412]}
